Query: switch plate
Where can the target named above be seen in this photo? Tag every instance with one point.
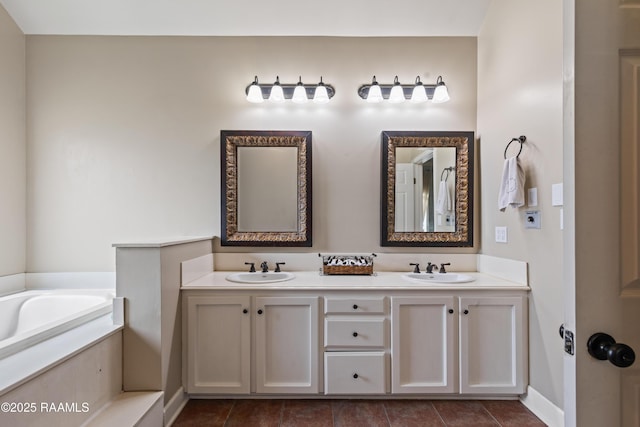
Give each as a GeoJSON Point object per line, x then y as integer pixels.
{"type": "Point", "coordinates": [557, 195]}
{"type": "Point", "coordinates": [533, 197]}
{"type": "Point", "coordinates": [501, 234]}
{"type": "Point", "coordinates": [532, 219]}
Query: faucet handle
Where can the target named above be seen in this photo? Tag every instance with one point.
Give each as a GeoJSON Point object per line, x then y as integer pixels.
{"type": "Point", "coordinates": [442, 269]}
{"type": "Point", "coordinates": [278, 264]}
{"type": "Point", "coordinates": [252, 269]}
{"type": "Point", "coordinates": [417, 268]}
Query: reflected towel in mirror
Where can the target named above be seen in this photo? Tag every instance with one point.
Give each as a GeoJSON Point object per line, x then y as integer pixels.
{"type": "Point", "coordinates": [443, 204]}
{"type": "Point", "coordinates": [512, 185]}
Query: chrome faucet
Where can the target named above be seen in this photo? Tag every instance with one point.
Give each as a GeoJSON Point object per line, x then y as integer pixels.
{"type": "Point", "coordinates": [264, 266]}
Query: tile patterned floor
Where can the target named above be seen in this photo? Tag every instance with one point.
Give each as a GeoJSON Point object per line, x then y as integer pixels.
{"type": "Point", "coordinates": [355, 413]}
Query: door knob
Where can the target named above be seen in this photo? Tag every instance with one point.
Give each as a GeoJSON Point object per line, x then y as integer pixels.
{"type": "Point", "coordinates": [604, 347]}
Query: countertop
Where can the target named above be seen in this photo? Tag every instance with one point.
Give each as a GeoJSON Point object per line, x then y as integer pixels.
{"type": "Point", "coordinates": [313, 280]}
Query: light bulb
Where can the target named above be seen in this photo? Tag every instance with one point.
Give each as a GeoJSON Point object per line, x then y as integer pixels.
{"type": "Point", "coordinates": [396, 95]}
{"type": "Point", "coordinates": [254, 94]}
{"type": "Point", "coordinates": [277, 94]}
{"type": "Point", "coordinates": [321, 96]}
{"type": "Point", "coordinates": [441, 93]}
{"type": "Point", "coordinates": [299, 93]}
{"type": "Point", "coordinates": [375, 93]}
{"type": "Point", "coordinates": [419, 92]}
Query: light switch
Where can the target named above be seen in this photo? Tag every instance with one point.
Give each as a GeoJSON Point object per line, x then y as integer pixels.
{"type": "Point", "coordinates": [533, 197]}
{"type": "Point", "coordinates": [556, 195]}
{"type": "Point", "coordinates": [501, 234]}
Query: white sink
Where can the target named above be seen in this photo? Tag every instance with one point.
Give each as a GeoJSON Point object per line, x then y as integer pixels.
{"type": "Point", "coordinates": [257, 277]}
{"type": "Point", "coordinates": [438, 277]}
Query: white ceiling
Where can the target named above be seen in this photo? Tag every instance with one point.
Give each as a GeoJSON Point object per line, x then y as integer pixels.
{"type": "Point", "coordinates": [250, 17]}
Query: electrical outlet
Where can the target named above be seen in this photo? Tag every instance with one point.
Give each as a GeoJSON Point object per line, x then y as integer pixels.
{"type": "Point", "coordinates": [501, 234]}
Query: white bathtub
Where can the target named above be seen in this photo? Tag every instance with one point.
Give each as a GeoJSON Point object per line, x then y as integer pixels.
{"type": "Point", "coordinates": [27, 318]}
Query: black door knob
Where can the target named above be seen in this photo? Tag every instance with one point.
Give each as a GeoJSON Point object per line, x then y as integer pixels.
{"type": "Point", "coordinates": [604, 347]}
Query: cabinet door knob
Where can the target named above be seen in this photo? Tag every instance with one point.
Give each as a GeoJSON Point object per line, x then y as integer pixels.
{"type": "Point", "coordinates": [355, 376]}
{"type": "Point", "coordinates": [245, 311]}
{"type": "Point", "coordinates": [451, 311]}
{"type": "Point", "coordinates": [355, 334]}
{"type": "Point", "coordinates": [355, 306]}
{"type": "Point", "coordinates": [260, 311]}
{"type": "Point", "coordinates": [466, 312]}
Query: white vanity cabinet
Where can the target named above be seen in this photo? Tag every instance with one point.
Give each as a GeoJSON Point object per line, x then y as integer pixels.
{"type": "Point", "coordinates": [219, 344]}
{"type": "Point", "coordinates": [493, 345]}
{"type": "Point", "coordinates": [423, 344]}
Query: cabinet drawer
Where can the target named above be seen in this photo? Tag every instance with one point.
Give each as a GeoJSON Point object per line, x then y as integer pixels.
{"type": "Point", "coordinates": [354, 305]}
{"type": "Point", "coordinates": [354, 373]}
{"type": "Point", "coordinates": [354, 333]}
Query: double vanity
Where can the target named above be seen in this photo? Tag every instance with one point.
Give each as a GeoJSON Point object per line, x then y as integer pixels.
{"type": "Point", "coordinates": [403, 334]}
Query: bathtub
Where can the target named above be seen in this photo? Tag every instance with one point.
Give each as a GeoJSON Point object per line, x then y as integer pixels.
{"type": "Point", "coordinates": [29, 317]}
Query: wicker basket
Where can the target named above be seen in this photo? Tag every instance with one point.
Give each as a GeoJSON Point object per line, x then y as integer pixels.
{"type": "Point", "coordinates": [347, 264]}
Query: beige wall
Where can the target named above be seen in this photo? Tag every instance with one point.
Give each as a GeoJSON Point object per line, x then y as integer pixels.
{"type": "Point", "coordinates": [124, 132]}
{"type": "Point", "coordinates": [12, 147]}
{"type": "Point", "coordinates": [520, 93]}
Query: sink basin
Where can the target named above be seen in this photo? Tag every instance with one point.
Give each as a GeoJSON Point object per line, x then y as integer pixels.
{"type": "Point", "coordinates": [438, 277]}
{"type": "Point", "coordinates": [270, 277]}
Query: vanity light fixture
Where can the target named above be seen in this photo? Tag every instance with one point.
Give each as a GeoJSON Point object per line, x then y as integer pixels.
{"type": "Point", "coordinates": [397, 92]}
{"type": "Point", "coordinates": [300, 93]}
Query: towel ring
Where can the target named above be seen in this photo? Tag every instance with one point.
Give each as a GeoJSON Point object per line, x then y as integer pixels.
{"type": "Point", "coordinates": [447, 170]}
{"type": "Point", "coordinates": [521, 140]}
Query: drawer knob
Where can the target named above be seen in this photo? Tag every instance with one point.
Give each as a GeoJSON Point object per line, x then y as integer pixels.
{"type": "Point", "coordinates": [260, 311]}
{"type": "Point", "coordinates": [466, 312]}
{"type": "Point", "coordinates": [245, 311]}
{"type": "Point", "coordinates": [355, 334]}
{"type": "Point", "coordinates": [355, 376]}
{"type": "Point", "coordinates": [451, 311]}
{"type": "Point", "coordinates": [355, 306]}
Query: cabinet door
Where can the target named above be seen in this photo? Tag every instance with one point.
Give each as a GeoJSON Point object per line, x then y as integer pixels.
{"type": "Point", "coordinates": [218, 344]}
{"type": "Point", "coordinates": [422, 345]}
{"type": "Point", "coordinates": [286, 344]}
{"type": "Point", "coordinates": [493, 345]}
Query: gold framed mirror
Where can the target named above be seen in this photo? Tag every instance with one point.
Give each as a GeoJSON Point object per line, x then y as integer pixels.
{"type": "Point", "coordinates": [427, 188]}
{"type": "Point", "coordinates": [265, 188]}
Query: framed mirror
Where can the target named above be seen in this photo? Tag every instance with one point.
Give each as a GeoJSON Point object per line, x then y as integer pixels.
{"type": "Point", "coordinates": [265, 188]}
{"type": "Point", "coordinates": [427, 188]}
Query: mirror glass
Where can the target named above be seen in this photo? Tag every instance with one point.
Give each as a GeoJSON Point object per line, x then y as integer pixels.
{"type": "Point", "coordinates": [427, 188]}
{"type": "Point", "coordinates": [266, 188]}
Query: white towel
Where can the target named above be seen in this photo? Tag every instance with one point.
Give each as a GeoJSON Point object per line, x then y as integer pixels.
{"type": "Point", "coordinates": [443, 204]}
{"type": "Point", "coordinates": [512, 185]}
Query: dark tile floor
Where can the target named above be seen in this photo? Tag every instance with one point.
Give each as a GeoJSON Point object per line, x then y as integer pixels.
{"type": "Point", "coordinates": [355, 413]}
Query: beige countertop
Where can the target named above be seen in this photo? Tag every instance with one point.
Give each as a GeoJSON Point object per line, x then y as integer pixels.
{"type": "Point", "coordinates": [313, 280]}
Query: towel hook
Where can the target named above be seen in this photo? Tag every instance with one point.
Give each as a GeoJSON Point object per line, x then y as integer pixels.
{"type": "Point", "coordinates": [521, 140]}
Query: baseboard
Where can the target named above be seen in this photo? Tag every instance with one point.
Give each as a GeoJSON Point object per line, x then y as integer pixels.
{"type": "Point", "coordinates": [549, 413]}
{"type": "Point", "coordinates": [175, 405]}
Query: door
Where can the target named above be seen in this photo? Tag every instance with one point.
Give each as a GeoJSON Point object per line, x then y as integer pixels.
{"type": "Point", "coordinates": [493, 345]}
{"type": "Point", "coordinates": [287, 348]}
{"type": "Point", "coordinates": [218, 340]}
{"type": "Point", "coordinates": [405, 198]}
{"type": "Point", "coordinates": [601, 206]}
{"type": "Point", "coordinates": [423, 345]}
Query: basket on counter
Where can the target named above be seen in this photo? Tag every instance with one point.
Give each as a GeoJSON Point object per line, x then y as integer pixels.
{"type": "Point", "coordinates": [347, 264]}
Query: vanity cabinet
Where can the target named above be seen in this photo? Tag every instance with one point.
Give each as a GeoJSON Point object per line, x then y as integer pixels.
{"type": "Point", "coordinates": [423, 344]}
{"type": "Point", "coordinates": [493, 345]}
{"type": "Point", "coordinates": [356, 342]}
{"type": "Point", "coordinates": [219, 344]}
